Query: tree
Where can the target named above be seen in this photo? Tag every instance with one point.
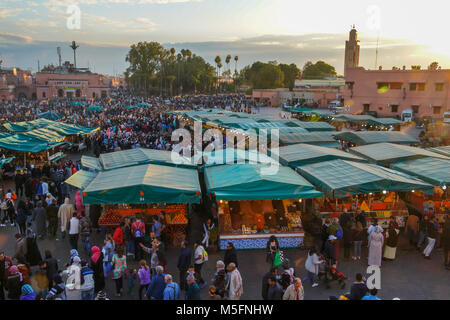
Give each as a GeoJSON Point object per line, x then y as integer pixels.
{"type": "Point", "coordinates": [433, 66]}
{"type": "Point", "coordinates": [319, 70]}
{"type": "Point", "coordinates": [227, 61]}
{"type": "Point", "coordinates": [416, 67]}
{"type": "Point", "coordinates": [291, 73]}
{"type": "Point", "coordinates": [218, 61]}
{"type": "Point", "coordinates": [144, 59]}
{"type": "Point", "coordinates": [263, 75]}
{"type": "Point", "coordinates": [74, 47]}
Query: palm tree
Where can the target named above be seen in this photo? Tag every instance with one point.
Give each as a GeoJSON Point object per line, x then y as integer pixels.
{"type": "Point", "coordinates": [227, 61]}
{"type": "Point", "coordinates": [218, 61]}
{"type": "Point", "coordinates": [236, 58]}
{"type": "Point", "coordinates": [74, 47]}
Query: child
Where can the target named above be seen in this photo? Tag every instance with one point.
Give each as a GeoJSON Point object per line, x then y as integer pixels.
{"type": "Point", "coordinates": [131, 281]}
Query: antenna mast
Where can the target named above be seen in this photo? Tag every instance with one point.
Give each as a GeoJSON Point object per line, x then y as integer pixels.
{"type": "Point", "coordinates": [58, 50]}
{"type": "Point", "coordinates": [376, 53]}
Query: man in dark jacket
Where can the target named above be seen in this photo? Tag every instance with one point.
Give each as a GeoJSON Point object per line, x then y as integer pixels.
{"type": "Point", "coordinates": [51, 267]}
{"type": "Point", "coordinates": [347, 239]}
{"type": "Point", "coordinates": [184, 261]}
{"type": "Point", "coordinates": [359, 288]}
{"type": "Point", "coordinates": [265, 281]}
{"type": "Point", "coordinates": [329, 249]}
{"type": "Point", "coordinates": [230, 255]}
{"type": "Point", "coordinates": [52, 217]}
{"type": "Point", "coordinates": [274, 292]}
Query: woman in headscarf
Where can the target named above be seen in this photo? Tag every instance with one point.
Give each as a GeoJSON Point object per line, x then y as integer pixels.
{"type": "Point", "coordinates": [28, 293]}
{"type": "Point", "coordinates": [391, 242]}
{"type": "Point", "coordinates": [40, 219]}
{"type": "Point", "coordinates": [14, 283]}
{"type": "Point", "coordinates": [79, 204]}
{"type": "Point", "coordinates": [73, 254]}
{"type": "Point", "coordinates": [97, 267]}
{"type": "Point", "coordinates": [376, 246]}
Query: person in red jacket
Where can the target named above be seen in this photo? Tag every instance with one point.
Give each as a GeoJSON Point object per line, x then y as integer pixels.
{"type": "Point", "coordinates": [138, 233]}
{"type": "Point", "coordinates": [118, 234]}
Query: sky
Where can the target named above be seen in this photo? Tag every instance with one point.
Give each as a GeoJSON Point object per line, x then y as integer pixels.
{"type": "Point", "coordinates": [289, 31]}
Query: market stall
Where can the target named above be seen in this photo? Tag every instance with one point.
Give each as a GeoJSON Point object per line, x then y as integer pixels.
{"type": "Point", "coordinates": [325, 139]}
{"type": "Point", "coordinates": [360, 138]}
{"type": "Point", "coordinates": [147, 190]}
{"type": "Point", "coordinates": [389, 153]}
{"type": "Point", "coordinates": [257, 201]}
{"type": "Point", "coordinates": [351, 185]}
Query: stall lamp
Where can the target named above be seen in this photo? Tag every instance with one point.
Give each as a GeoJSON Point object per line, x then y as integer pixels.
{"type": "Point", "coordinates": [413, 191]}
{"type": "Point", "coordinates": [370, 193]}
{"type": "Point", "coordinates": [221, 201]}
{"type": "Point", "coordinates": [444, 187]}
{"type": "Point", "coordinates": [384, 191]}
{"type": "Point", "coordinates": [300, 200]}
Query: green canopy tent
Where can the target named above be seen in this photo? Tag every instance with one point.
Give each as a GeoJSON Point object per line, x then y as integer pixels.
{"type": "Point", "coordinates": [388, 153]}
{"type": "Point", "coordinates": [50, 115]}
{"type": "Point", "coordinates": [143, 104]}
{"type": "Point", "coordinates": [91, 163]}
{"type": "Point", "coordinates": [313, 126]}
{"type": "Point", "coordinates": [76, 103]}
{"type": "Point", "coordinates": [95, 108]}
{"type": "Point", "coordinates": [361, 138]}
{"type": "Point", "coordinates": [358, 118]}
{"type": "Point", "coordinates": [342, 178]}
{"type": "Point", "coordinates": [260, 125]}
{"type": "Point", "coordinates": [296, 110]}
{"type": "Point", "coordinates": [325, 139]}
{"type": "Point", "coordinates": [44, 134]}
{"type": "Point", "coordinates": [147, 183]}
{"type": "Point", "coordinates": [441, 150]}
{"type": "Point", "coordinates": [302, 154]}
{"type": "Point", "coordinates": [432, 170]}
{"type": "Point", "coordinates": [130, 107]}
{"type": "Point", "coordinates": [24, 143]}
{"type": "Point", "coordinates": [28, 125]}
{"type": "Point", "coordinates": [232, 156]}
{"type": "Point", "coordinates": [68, 129]}
{"type": "Point", "coordinates": [81, 179]}
{"type": "Point", "coordinates": [385, 122]}
{"type": "Point", "coordinates": [257, 182]}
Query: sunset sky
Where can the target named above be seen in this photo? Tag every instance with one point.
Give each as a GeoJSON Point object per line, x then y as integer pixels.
{"type": "Point", "coordinates": [411, 32]}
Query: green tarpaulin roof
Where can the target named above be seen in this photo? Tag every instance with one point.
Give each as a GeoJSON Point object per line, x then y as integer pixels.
{"type": "Point", "coordinates": [20, 142]}
{"type": "Point", "coordinates": [302, 154]}
{"type": "Point", "coordinates": [441, 150]}
{"type": "Point", "coordinates": [91, 163]}
{"type": "Point", "coordinates": [384, 122]}
{"type": "Point", "coordinates": [320, 112]}
{"type": "Point", "coordinates": [130, 107]}
{"type": "Point", "coordinates": [260, 125]}
{"type": "Point", "coordinates": [354, 117]}
{"type": "Point", "coordinates": [386, 153]}
{"type": "Point", "coordinates": [76, 103]}
{"type": "Point", "coordinates": [50, 115]}
{"type": "Point", "coordinates": [316, 138]}
{"type": "Point", "coordinates": [369, 137]}
{"type": "Point", "coordinates": [44, 134]}
{"type": "Point", "coordinates": [132, 157]}
{"type": "Point", "coordinates": [148, 183]}
{"type": "Point", "coordinates": [231, 156]}
{"type": "Point", "coordinates": [432, 170]}
{"type": "Point", "coordinates": [81, 179]}
{"type": "Point", "coordinates": [342, 178]}
{"type": "Point", "coordinates": [95, 108]}
{"type": "Point", "coordinates": [257, 182]}
{"type": "Point", "coordinates": [68, 129]}
{"type": "Point", "coordinates": [315, 126]}
{"type": "Point", "coordinates": [28, 125]}
{"type": "Point", "coordinates": [296, 110]}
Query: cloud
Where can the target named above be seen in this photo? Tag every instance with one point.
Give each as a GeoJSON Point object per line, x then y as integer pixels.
{"type": "Point", "coordinates": [9, 12]}
{"type": "Point", "coordinates": [100, 2]}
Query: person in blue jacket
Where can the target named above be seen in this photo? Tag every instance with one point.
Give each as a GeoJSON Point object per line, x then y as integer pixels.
{"type": "Point", "coordinates": [193, 290]}
{"type": "Point", "coordinates": [172, 290]}
{"type": "Point", "coordinates": [157, 285]}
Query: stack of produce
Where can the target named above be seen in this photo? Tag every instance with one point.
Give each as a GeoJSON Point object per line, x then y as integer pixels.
{"type": "Point", "coordinates": [110, 218]}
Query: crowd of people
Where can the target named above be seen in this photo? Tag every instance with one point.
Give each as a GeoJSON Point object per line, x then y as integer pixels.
{"type": "Point", "coordinates": [133, 256]}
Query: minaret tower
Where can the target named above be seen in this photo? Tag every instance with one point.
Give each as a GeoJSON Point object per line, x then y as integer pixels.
{"type": "Point", "coordinates": [352, 51]}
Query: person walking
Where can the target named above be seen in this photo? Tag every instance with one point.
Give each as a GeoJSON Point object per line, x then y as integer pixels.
{"type": "Point", "coordinates": [265, 282]}
{"type": "Point", "coordinates": [422, 232]}
{"type": "Point", "coordinates": [312, 266]}
{"type": "Point", "coordinates": [118, 234]}
{"type": "Point", "coordinates": [172, 290]}
{"type": "Point", "coordinates": [431, 238]}
{"type": "Point", "coordinates": [97, 267]}
{"type": "Point", "coordinates": [79, 204]}
{"type": "Point", "coordinates": [65, 214]}
{"type": "Point", "coordinates": [376, 241]}
{"type": "Point", "coordinates": [138, 233]}
{"type": "Point", "coordinates": [119, 262]}
{"type": "Point", "coordinates": [74, 231]}
{"type": "Point", "coordinates": [347, 238]}
{"type": "Point", "coordinates": [193, 290]}
{"type": "Point", "coordinates": [234, 286]}
{"type": "Point", "coordinates": [412, 228]}
{"type": "Point", "coordinates": [184, 261]}
{"type": "Point", "coordinates": [40, 219]}
{"type": "Point", "coordinates": [5, 263]}
{"type": "Point", "coordinates": [108, 253]}
{"type": "Point", "coordinates": [295, 291]}
{"type": "Point", "coordinates": [85, 231]}
{"type": "Point", "coordinates": [200, 257]}
{"type": "Point", "coordinates": [144, 277]}
{"type": "Point", "coordinates": [391, 242]}
{"type": "Point", "coordinates": [157, 285]}
{"type": "Point", "coordinates": [20, 248]}
{"type": "Point", "coordinates": [446, 242]}
{"type": "Point", "coordinates": [52, 218]}
{"type": "Point", "coordinates": [230, 255]}
{"type": "Point", "coordinates": [274, 291]}
{"type": "Point", "coordinates": [358, 232]}
{"type": "Point", "coordinates": [22, 216]}
{"type": "Point", "coordinates": [51, 267]}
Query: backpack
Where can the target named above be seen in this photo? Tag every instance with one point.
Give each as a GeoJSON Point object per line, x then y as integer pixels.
{"type": "Point", "coordinates": [339, 234]}
{"type": "Point", "coordinates": [138, 233]}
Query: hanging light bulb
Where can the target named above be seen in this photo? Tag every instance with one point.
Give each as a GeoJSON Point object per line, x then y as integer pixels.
{"type": "Point", "coordinates": [384, 191]}
{"type": "Point", "coordinates": [444, 187]}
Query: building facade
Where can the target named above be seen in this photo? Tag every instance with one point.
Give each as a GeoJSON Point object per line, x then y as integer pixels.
{"type": "Point", "coordinates": [387, 93]}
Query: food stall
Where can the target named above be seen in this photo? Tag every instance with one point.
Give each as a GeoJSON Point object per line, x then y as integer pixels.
{"type": "Point", "coordinates": [361, 138]}
{"type": "Point", "coordinates": [255, 201]}
{"type": "Point", "coordinates": [349, 184]}
{"type": "Point", "coordinates": [146, 190]}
